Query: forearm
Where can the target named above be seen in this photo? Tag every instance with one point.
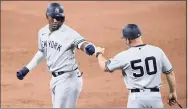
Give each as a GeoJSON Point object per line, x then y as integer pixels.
{"type": "Point", "coordinates": [37, 59]}
{"type": "Point", "coordinates": [82, 46]}
{"type": "Point", "coordinates": [171, 82]}
{"type": "Point", "coordinates": [101, 60]}
{"type": "Point", "coordinates": [87, 47]}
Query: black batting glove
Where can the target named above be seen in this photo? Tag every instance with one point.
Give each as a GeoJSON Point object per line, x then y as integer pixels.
{"type": "Point", "coordinates": [22, 73]}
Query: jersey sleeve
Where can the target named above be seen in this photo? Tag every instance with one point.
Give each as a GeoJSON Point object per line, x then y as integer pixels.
{"type": "Point", "coordinates": [166, 65]}
{"type": "Point", "coordinates": [77, 39]}
{"type": "Point", "coordinates": [39, 42]}
{"type": "Point", "coordinates": [115, 63]}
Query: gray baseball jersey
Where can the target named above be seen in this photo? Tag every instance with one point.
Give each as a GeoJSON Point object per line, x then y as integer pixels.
{"type": "Point", "coordinates": [141, 65]}
{"type": "Point", "coordinates": [59, 47]}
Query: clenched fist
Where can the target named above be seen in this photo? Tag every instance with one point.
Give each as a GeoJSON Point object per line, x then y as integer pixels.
{"type": "Point", "coordinates": [99, 50]}
{"type": "Point", "coordinates": [172, 99]}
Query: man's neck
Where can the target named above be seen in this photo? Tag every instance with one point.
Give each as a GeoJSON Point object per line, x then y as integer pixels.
{"type": "Point", "coordinates": [136, 43]}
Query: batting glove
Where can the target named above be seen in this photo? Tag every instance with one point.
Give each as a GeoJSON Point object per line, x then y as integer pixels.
{"type": "Point", "coordinates": [22, 73]}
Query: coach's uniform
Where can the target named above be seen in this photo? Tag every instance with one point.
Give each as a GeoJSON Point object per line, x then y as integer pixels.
{"type": "Point", "coordinates": [142, 66]}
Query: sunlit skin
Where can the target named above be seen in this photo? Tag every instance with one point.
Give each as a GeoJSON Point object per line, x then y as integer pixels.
{"type": "Point", "coordinates": [54, 23]}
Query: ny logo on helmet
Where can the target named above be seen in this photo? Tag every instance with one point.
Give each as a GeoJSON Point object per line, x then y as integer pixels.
{"type": "Point", "coordinates": [57, 10]}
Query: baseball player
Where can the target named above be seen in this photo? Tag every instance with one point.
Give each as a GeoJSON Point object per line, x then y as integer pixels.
{"type": "Point", "coordinates": [141, 66]}
{"type": "Point", "coordinates": [57, 43]}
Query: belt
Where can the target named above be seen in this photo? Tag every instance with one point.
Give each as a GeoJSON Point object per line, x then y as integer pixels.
{"type": "Point", "coordinates": [151, 90]}
{"type": "Point", "coordinates": [55, 74]}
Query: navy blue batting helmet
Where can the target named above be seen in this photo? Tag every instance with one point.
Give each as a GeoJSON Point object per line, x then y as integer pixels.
{"type": "Point", "coordinates": [131, 31]}
{"type": "Point", "coordinates": [55, 10]}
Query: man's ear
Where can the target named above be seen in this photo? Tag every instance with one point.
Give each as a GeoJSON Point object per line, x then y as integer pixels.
{"type": "Point", "coordinates": [63, 20]}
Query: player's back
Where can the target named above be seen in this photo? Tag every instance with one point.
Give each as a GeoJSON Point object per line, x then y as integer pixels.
{"type": "Point", "coordinates": [143, 66]}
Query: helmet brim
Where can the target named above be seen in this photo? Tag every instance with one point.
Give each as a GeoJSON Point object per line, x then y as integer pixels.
{"type": "Point", "coordinates": [55, 15]}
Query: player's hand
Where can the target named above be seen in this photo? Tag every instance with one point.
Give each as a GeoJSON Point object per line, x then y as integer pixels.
{"type": "Point", "coordinates": [22, 73]}
{"type": "Point", "coordinates": [102, 50]}
{"type": "Point", "coordinates": [172, 99]}
{"type": "Point", "coordinates": [99, 49]}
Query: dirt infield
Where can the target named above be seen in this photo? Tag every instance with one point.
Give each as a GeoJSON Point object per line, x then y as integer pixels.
{"type": "Point", "coordinates": [163, 24]}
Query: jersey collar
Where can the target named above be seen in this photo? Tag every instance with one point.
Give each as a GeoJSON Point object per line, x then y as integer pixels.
{"type": "Point", "coordinates": [139, 45]}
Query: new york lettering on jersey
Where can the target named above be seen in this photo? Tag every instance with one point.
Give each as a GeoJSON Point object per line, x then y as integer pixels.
{"type": "Point", "coordinates": [51, 44]}
{"type": "Point", "coordinates": [58, 48]}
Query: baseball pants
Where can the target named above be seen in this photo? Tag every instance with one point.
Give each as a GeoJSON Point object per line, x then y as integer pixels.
{"type": "Point", "coordinates": [144, 99]}
{"type": "Point", "coordinates": [65, 89]}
